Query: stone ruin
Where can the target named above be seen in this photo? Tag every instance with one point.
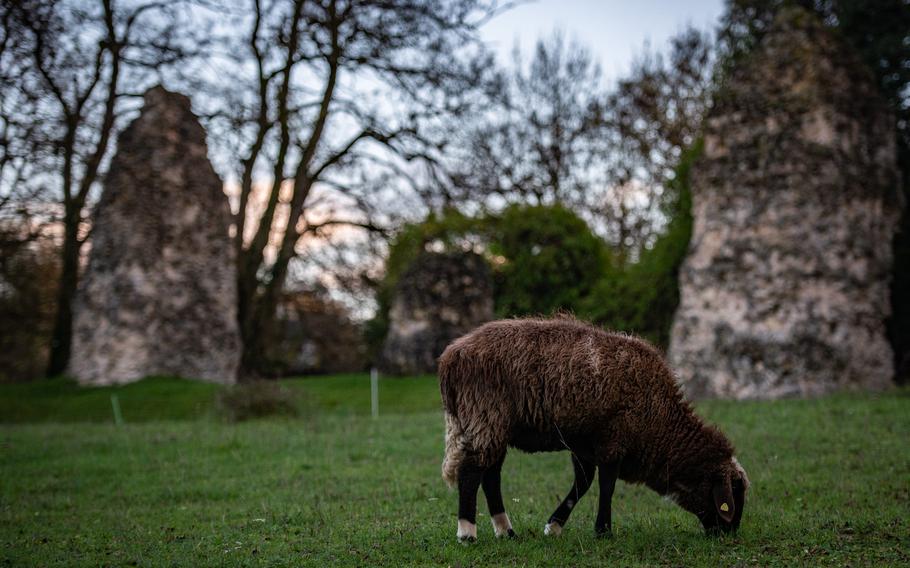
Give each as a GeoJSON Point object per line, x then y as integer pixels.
{"type": "Point", "coordinates": [795, 201]}
{"type": "Point", "coordinates": [159, 293]}
{"type": "Point", "coordinates": [440, 297]}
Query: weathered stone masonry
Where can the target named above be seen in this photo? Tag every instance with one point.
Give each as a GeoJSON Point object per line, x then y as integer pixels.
{"type": "Point", "coordinates": [795, 203]}
{"type": "Point", "coordinates": [159, 293]}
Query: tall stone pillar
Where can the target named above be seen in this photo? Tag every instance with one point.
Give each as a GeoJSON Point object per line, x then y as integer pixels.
{"type": "Point", "coordinates": [159, 293]}
{"type": "Point", "coordinates": [795, 202]}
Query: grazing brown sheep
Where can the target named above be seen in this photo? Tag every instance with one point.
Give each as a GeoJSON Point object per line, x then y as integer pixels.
{"type": "Point", "coordinates": [562, 384]}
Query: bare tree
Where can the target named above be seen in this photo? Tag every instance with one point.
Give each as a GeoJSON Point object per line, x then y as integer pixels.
{"type": "Point", "coordinates": [339, 114]}
{"type": "Point", "coordinates": [651, 116]}
{"type": "Point", "coordinates": [559, 135]}
{"type": "Point", "coordinates": [535, 145]}
{"type": "Point", "coordinates": [77, 64]}
{"type": "Point", "coordinates": [20, 185]}
{"type": "Point", "coordinates": [660, 106]}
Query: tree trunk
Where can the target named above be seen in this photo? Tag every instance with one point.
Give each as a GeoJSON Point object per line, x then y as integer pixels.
{"type": "Point", "coordinates": [258, 306]}
{"type": "Point", "coordinates": [258, 300]}
{"type": "Point", "coordinates": [252, 358]}
{"type": "Point", "coordinates": [255, 332]}
{"type": "Point", "coordinates": [69, 279]}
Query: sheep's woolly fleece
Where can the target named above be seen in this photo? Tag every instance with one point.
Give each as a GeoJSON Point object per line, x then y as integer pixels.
{"type": "Point", "coordinates": [561, 379]}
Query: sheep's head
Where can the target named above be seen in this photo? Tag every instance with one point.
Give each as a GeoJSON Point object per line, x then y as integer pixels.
{"type": "Point", "coordinates": [716, 498]}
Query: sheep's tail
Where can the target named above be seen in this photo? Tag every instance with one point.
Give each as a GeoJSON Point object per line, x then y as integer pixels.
{"type": "Point", "coordinates": [455, 450]}
{"type": "Point", "coordinates": [455, 434]}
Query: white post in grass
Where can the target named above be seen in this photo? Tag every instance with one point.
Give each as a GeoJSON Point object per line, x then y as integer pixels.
{"type": "Point", "coordinates": [374, 392]}
{"type": "Point", "coordinates": [115, 404]}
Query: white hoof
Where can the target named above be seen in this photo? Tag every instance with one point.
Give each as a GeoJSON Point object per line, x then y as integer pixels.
{"type": "Point", "coordinates": [552, 529]}
{"type": "Point", "coordinates": [467, 531]}
{"type": "Point", "coordinates": [502, 526]}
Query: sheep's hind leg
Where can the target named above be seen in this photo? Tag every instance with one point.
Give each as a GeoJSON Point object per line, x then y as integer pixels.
{"type": "Point", "coordinates": [584, 476]}
{"type": "Point", "coordinates": [603, 526]}
{"type": "Point", "coordinates": [469, 478]}
{"type": "Point", "coordinates": [492, 479]}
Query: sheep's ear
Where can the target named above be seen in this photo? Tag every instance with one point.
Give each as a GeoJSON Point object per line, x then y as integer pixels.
{"type": "Point", "coordinates": [723, 500]}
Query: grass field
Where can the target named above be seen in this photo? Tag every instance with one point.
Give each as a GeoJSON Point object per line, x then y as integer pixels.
{"type": "Point", "coordinates": [177, 486]}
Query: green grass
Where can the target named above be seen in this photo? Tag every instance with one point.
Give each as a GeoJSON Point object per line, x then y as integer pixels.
{"type": "Point", "coordinates": [163, 398]}
{"type": "Point", "coordinates": [177, 487]}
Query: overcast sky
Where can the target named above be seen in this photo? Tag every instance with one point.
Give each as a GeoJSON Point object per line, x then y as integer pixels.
{"type": "Point", "coordinates": [614, 30]}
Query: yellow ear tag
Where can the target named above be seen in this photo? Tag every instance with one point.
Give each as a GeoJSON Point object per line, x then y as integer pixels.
{"type": "Point", "coordinates": [724, 507]}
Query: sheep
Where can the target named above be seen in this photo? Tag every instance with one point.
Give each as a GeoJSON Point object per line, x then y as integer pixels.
{"type": "Point", "coordinates": [608, 398]}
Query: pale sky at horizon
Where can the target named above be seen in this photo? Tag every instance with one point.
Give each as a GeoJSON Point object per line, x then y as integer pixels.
{"type": "Point", "coordinates": [614, 30]}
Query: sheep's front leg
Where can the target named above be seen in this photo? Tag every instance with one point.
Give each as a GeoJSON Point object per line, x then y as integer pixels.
{"type": "Point", "coordinates": [584, 476]}
{"type": "Point", "coordinates": [603, 526]}
{"type": "Point", "coordinates": [469, 478]}
{"type": "Point", "coordinates": [492, 480]}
